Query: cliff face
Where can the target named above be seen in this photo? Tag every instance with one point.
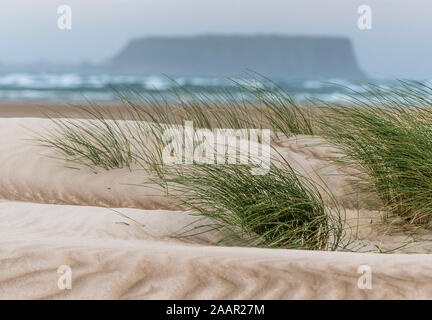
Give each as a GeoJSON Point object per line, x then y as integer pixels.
{"type": "Point", "coordinates": [292, 57]}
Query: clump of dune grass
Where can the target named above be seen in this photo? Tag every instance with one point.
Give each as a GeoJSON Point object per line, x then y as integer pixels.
{"type": "Point", "coordinates": [281, 209]}
{"type": "Point", "coordinates": [219, 109]}
{"type": "Point", "coordinates": [98, 141]}
{"type": "Point", "coordinates": [387, 133]}
{"type": "Point", "coordinates": [257, 103]}
{"type": "Point", "coordinates": [102, 141]}
{"type": "Point", "coordinates": [278, 107]}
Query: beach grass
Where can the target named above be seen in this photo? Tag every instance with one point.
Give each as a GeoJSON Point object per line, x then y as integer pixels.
{"type": "Point", "coordinates": [104, 142]}
{"type": "Point", "coordinates": [281, 209]}
{"type": "Point", "coordinates": [384, 132]}
{"type": "Point", "coordinates": [99, 141]}
{"type": "Point", "coordinates": [277, 106]}
{"type": "Point", "coordinates": [387, 133]}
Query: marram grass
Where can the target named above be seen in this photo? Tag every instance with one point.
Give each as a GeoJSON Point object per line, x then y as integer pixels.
{"type": "Point", "coordinates": [281, 209]}
{"type": "Point", "coordinates": [96, 141]}
{"type": "Point", "coordinates": [387, 133]}
{"type": "Point", "coordinates": [278, 107]}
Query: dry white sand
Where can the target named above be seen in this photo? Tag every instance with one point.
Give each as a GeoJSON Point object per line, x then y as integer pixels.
{"type": "Point", "coordinates": [52, 216]}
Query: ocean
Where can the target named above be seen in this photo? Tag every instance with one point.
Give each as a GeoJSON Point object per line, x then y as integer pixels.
{"type": "Point", "coordinates": [75, 87]}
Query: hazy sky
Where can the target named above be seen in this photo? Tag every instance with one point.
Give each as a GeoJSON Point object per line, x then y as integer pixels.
{"type": "Point", "coordinates": [399, 43]}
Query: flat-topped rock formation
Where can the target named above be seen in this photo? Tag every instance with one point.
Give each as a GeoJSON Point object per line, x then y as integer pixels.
{"type": "Point", "coordinates": [287, 56]}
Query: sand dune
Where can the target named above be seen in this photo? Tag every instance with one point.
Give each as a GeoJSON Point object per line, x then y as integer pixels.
{"type": "Point", "coordinates": [32, 173]}
{"type": "Point", "coordinates": [112, 260]}
{"type": "Point", "coordinates": [52, 216]}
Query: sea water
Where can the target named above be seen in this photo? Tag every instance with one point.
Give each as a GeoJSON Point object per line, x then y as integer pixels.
{"type": "Point", "coordinates": [102, 86]}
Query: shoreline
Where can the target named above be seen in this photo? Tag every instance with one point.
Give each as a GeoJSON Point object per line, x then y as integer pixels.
{"type": "Point", "coordinates": [28, 109]}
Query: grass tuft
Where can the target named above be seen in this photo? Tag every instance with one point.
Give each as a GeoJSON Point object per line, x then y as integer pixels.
{"type": "Point", "coordinates": [280, 209]}
{"type": "Point", "coordinates": [99, 141]}
{"type": "Point", "coordinates": [387, 133]}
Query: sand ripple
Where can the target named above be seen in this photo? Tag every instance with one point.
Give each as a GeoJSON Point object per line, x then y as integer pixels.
{"type": "Point", "coordinates": [112, 260]}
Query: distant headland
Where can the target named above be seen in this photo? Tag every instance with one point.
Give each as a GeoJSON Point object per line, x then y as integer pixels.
{"type": "Point", "coordinates": [272, 55]}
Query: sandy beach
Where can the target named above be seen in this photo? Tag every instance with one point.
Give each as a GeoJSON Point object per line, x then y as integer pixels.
{"type": "Point", "coordinates": [120, 239]}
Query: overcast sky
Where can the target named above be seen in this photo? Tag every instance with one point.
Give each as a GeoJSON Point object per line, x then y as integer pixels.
{"type": "Point", "coordinates": [399, 43]}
